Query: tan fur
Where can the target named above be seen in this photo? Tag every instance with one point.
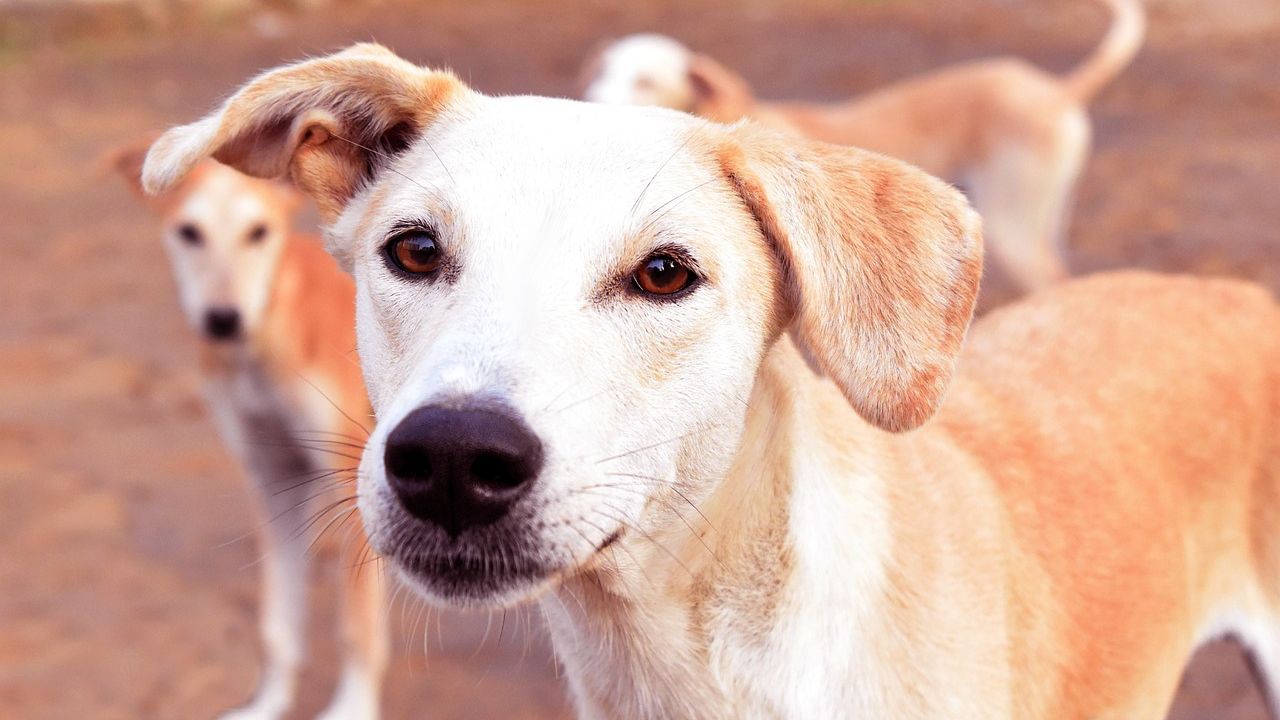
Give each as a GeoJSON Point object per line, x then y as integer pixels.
{"type": "Point", "coordinates": [1090, 492]}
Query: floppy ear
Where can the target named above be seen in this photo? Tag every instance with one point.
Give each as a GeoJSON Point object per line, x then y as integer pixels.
{"type": "Point", "coordinates": [331, 124]}
{"type": "Point", "coordinates": [882, 262]}
{"type": "Point", "coordinates": [719, 93]}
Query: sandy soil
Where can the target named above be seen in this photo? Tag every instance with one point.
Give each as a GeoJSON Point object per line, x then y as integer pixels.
{"type": "Point", "coordinates": [125, 592]}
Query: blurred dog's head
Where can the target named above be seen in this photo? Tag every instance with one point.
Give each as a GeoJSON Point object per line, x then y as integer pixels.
{"type": "Point", "coordinates": [656, 70]}
{"type": "Point", "coordinates": [224, 232]}
{"type": "Point", "coordinates": [563, 307]}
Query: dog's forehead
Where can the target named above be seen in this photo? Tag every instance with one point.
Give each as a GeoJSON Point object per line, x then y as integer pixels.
{"type": "Point", "coordinates": [564, 155]}
{"type": "Point", "coordinates": [224, 197]}
{"type": "Point", "coordinates": [647, 52]}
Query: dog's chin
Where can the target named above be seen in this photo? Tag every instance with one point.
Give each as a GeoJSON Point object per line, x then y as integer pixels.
{"type": "Point", "coordinates": [483, 574]}
{"type": "Point", "coordinates": [473, 579]}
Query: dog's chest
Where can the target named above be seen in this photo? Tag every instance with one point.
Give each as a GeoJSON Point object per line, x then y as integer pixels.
{"type": "Point", "coordinates": [259, 421]}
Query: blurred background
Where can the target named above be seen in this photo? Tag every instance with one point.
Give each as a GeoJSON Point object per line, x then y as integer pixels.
{"type": "Point", "coordinates": [128, 575]}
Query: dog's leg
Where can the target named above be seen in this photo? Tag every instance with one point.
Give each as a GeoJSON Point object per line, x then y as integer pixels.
{"type": "Point", "coordinates": [1024, 193]}
{"type": "Point", "coordinates": [283, 610]}
{"type": "Point", "coordinates": [364, 635]}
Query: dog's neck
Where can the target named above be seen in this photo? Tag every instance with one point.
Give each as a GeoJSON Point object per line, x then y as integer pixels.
{"type": "Point", "coordinates": [676, 625]}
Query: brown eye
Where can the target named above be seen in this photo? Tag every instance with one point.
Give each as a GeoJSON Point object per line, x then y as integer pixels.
{"type": "Point", "coordinates": [257, 234]}
{"type": "Point", "coordinates": [663, 275]}
{"type": "Point", "coordinates": [190, 234]}
{"type": "Point", "coordinates": [414, 252]}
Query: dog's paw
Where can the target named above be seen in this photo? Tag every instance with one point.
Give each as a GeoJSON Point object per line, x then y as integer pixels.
{"type": "Point", "coordinates": [355, 699]}
{"type": "Point", "coordinates": [259, 709]}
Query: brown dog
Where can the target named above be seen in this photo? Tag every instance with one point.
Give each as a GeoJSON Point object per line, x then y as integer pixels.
{"type": "Point", "coordinates": [1015, 136]}
{"type": "Point", "coordinates": [658, 374]}
{"type": "Point", "coordinates": [276, 319]}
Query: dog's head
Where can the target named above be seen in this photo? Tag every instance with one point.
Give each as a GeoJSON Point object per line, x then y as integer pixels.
{"type": "Point", "coordinates": [656, 70]}
{"type": "Point", "coordinates": [224, 232]}
{"type": "Point", "coordinates": [563, 307]}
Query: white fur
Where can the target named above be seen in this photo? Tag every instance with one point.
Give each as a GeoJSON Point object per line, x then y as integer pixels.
{"type": "Point", "coordinates": [645, 69]}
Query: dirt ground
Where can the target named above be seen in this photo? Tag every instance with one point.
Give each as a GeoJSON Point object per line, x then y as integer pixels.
{"type": "Point", "coordinates": [124, 589]}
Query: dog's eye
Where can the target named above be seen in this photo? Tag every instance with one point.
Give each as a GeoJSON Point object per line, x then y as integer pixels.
{"type": "Point", "coordinates": [190, 234]}
{"type": "Point", "coordinates": [415, 252]}
{"type": "Point", "coordinates": [257, 234]}
{"type": "Point", "coordinates": [663, 275]}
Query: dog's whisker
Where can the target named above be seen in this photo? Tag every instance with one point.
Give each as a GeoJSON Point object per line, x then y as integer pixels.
{"type": "Point", "coordinates": [339, 473]}
{"type": "Point", "coordinates": [669, 507]}
{"type": "Point", "coordinates": [606, 533]}
{"type": "Point", "coordinates": [659, 443]}
{"type": "Point", "coordinates": [692, 133]}
{"type": "Point", "coordinates": [319, 537]}
{"type": "Point", "coordinates": [673, 202]}
{"type": "Point", "coordinates": [576, 403]}
{"type": "Point", "coordinates": [300, 532]}
{"type": "Point", "coordinates": [671, 485]}
{"type": "Point", "coordinates": [636, 526]}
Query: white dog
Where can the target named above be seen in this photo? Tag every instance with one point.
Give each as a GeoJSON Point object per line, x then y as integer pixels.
{"type": "Point", "coordinates": [593, 337]}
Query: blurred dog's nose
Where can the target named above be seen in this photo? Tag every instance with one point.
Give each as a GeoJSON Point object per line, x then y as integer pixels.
{"type": "Point", "coordinates": [222, 323]}
{"type": "Point", "coordinates": [462, 468]}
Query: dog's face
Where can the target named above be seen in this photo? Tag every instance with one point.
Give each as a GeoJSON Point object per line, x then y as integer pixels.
{"type": "Point", "coordinates": [659, 71]}
{"type": "Point", "coordinates": [562, 307]}
{"type": "Point", "coordinates": [224, 232]}
{"type": "Point", "coordinates": [642, 69]}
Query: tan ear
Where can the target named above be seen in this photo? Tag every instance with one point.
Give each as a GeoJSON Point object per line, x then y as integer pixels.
{"type": "Point", "coordinates": [127, 160]}
{"type": "Point", "coordinates": [719, 93]}
{"type": "Point", "coordinates": [882, 261]}
{"type": "Point", "coordinates": [331, 124]}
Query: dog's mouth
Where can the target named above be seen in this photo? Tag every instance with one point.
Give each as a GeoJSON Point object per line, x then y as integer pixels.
{"type": "Point", "coordinates": [482, 571]}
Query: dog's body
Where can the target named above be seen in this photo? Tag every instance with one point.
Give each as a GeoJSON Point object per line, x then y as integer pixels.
{"type": "Point", "coordinates": [607, 392]}
{"type": "Point", "coordinates": [1015, 136]}
{"type": "Point", "coordinates": [284, 389]}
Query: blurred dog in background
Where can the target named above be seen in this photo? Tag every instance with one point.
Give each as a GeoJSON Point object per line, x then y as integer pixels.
{"type": "Point", "coordinates": [1014, 136]}
{"type": "Point", "coordinates": [276, 319]}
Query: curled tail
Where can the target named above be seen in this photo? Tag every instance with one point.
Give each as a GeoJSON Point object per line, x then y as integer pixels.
{"type": "Point", "coordinates": [1128, 26]}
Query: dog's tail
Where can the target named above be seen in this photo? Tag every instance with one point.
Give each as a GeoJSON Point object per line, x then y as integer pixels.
{"type": "Point", "coordinates": [1113, 54]}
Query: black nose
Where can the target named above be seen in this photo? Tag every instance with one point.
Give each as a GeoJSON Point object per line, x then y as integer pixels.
{"type": "Point", "coordinates": [460, 469]}
{"type": "Point", "coordinates": [222, 323]}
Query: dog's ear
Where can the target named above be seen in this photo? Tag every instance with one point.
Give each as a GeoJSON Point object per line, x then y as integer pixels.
{"type": "Point", "coordinates": [719, 93]}
{"type": "Point", "coordinates": [882, 265]}
{"type": "Point", "coordinates": [330, 124]}
{"type": "Point", "coordinates": [127, 160]}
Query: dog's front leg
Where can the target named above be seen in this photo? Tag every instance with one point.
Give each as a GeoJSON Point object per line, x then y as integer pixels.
{"type": "Point", "coordinates": [364, 636]}
{"type": "Point", "coordinates": [284, 544]}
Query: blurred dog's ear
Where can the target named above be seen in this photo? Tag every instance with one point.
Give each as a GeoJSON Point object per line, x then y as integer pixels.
{"type": "Point", "coordinates": [719, 93]}
{"type": "Point", "coordinates": [882, 263]}
{"type": "Point", "coordinates": [126, 161]}
{"type": "Point", "coordinates": [330, 124]}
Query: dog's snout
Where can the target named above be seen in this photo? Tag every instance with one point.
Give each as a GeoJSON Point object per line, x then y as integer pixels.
{"type": "Point", "coordinates": [461, 468]}
{"type": "Point", "coordinates": [222, 323]}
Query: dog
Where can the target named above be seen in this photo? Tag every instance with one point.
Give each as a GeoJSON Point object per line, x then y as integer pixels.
{"type": "Point", "coordinates": [1014, 136]}
{"type": "Point", "coordinates": [704, 392]}
{"type": "Point", "coordinates": [276, 317]}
